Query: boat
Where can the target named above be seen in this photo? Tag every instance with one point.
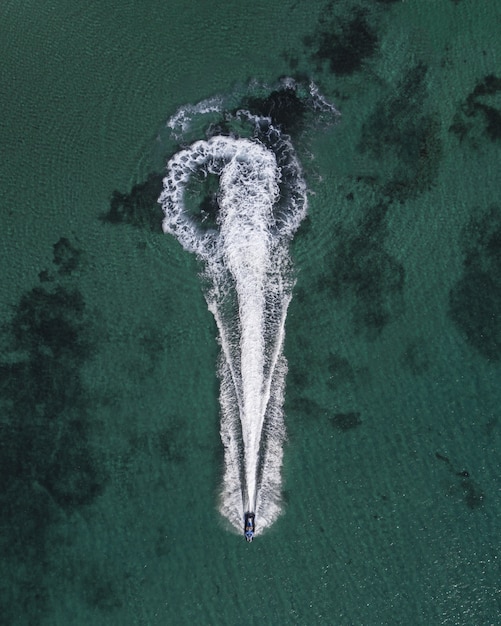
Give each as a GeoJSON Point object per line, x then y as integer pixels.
{"type": "Point", "coordinates": [249, 526]}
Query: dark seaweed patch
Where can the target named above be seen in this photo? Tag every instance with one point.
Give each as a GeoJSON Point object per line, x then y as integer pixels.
{"type": "Point", "coordinates": [489, 86]}
{"type": "Point", "coordinates": [414, 358]}
{"type": "Point", "coordinates": [299, 377]}
{"type": "Point", "coordinates": [51, 324]}
{"type": "Point", "coordinates": [66, 256]}
{"type": "Point", "coordinates": [346, 421]}
{"type": "Point", "coordinates": [162, 543]}
{"type": "Point", "coordinates": [471, 493]}
{"type": "Point", "coordinates": [85, 480]}
{"type": "Point", "coordinates": [344, 43]}
{"type": "Point", "coordinates": [299, 374]}
{"type": "Point", "coordinates": [399, 130]}
{"type": "Point", "coordinates": [47, 421]}
{"type": "Point", "coordinates": [170, 444]}
{"type": "Point", "coordinates": [100, 589]}
{"type": "Point", "coordinates": [285, 108]}
{"type": "Point", "coordinates": [306, 407]}
{"type": "Point", "coordinates": [45, 277]}
{"type": "Point", "coordinates": [48, 467]}
{"type": "Point", "coordinates": [476, 116]}
{"type": "Point", "coordinates": [475, 300]}
{"type": "Point", "coordinates": [340, 370]}
{"type": "Point", "coordinates": [139, 207]}
{"type": "Point", "coordinates": [361, 269]}
{"type": "Point", "coordinates": [150, 348]}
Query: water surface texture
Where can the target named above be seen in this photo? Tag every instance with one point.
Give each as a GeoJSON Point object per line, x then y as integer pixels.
{"type": "Point", "coordinates": [111, 376]}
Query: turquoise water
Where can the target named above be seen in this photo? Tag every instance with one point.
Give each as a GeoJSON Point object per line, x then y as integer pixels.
{"type": "Point", "coordinates": [110, 454]}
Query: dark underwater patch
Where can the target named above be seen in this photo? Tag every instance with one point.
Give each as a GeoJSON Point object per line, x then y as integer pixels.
{"type": "Point", "coordinates": [201, 200]}
{"type": "Point", "coordinates": [289, 108]}
{"type": "Point", "coordinates": [343, 372]}
{"type": "Point", "coordinates": [169, 443]}
{"type": "Point", "coordinates": [139, 207]}
{"type": "Point", "coordinates": [299, 375]}
{"type": "Point", "coordinates": [340, 370]}
{"type": "Point", "coordinates": [475, 299]}
{"type": "Point", "coordinates": [150, 340]}
{"type": "Point", "coordinates": [48, 466]}
{"type": "Point", "coordinates": [304, 406]}
{"type": "Point", "coordinates": [414, 357]}
{"type": "Point", "coordinates": [343, 42]}
{"type": "Point", "coordinates": [100, 588]}
{"type": "Point", "coordinates": [162, 543]}
{"type": "Point", "coordinates": [363, 272]}
{"type": "Point", "coordinates": [346, 421]}
{"type": "Point", "coordinates": [464, 487]}
{"type": "Point", "coordinates": [400, 132]}
{"type": "Point", "coordinates": [476, 117]}
{"type": "Point", "coordinates": [66, 256]}
{"type": "Point", "coordinates": [45, 277]}
{"type": "Point", "coordinates": [474, 497]}
{"type": "Point", "coordinates": [285, 108]}
{"type": "Point", "coordinates": [51, 324]}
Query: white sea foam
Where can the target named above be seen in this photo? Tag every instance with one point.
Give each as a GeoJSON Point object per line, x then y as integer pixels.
{"type": "Point", "coordinates": [181, 121]}
{"type": "Point", "coordinates": [247, 271]}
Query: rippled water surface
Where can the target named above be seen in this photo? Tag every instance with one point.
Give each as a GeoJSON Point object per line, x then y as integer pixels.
{"type": "Point", "coordinates": [110, 456]}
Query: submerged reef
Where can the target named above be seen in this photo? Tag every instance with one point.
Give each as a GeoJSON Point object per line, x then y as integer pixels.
{"type": "Point", "coordinates": [415, 357]}
{"type": "Point", "coordinates": [66, 256]}
{"type": "Point", "coordinates": [49, 467]}
{"type": "Point", "coordinates": [361, 271]}
{"type": "Point", "coordinates": [475, 299]}
{"type": "Point", "coordinates": [400, 133]}
{"type": "Point", "coordinates": [463, 486]}
{"type": "Point", "coordinates": [345, 40]}
{"type": "Point", "coordinates": [342, 42]}
{"type": "Point", "coordinates": [477, 118]}
{"type": "Point", "coordinates": [139, 207]}
{"type": "Point", "coordinates": [346, 421]}
{"type": "Point", "coordinates": [286, 109]}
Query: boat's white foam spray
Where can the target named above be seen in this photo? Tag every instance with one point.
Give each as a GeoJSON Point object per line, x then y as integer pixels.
{"type": "Point", "coordinates": [261, 200]}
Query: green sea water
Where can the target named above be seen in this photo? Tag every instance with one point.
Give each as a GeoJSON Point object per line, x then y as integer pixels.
{"type": "Point", "coordinates": [110, 457]}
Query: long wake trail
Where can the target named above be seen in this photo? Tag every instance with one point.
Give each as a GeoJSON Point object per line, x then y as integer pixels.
{"type": "Point", "coordinates": [242, 239]}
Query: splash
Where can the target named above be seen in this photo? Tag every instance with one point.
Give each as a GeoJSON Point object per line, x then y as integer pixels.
{"type": "Point", "coordinates": [255, 198]}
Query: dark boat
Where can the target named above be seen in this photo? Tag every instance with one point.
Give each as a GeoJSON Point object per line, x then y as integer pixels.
{"type": "Point", "coordinates": [249, 526]}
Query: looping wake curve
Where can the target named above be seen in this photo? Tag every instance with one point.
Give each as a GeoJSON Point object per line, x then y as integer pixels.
{"type": "Point", "coordinates": [236, 202]}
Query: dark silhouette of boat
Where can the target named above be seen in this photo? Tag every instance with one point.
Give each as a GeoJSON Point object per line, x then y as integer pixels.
{"type": "Point", "coordinates": [249, 526]}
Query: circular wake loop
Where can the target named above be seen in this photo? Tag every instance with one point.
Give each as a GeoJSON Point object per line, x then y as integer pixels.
{"type": "Point", "coordinates": [235, 199]}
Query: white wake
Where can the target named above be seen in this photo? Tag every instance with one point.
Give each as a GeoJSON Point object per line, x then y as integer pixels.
{"type": "Point", "coordinates": [259, 204]}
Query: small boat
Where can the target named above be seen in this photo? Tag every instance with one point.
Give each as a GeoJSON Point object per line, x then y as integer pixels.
{"type": "Point", "coordinates": [249, 526]}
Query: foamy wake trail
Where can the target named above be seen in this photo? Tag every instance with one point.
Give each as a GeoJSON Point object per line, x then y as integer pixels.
{"type": "Point", "coordinates": [247, 273]}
